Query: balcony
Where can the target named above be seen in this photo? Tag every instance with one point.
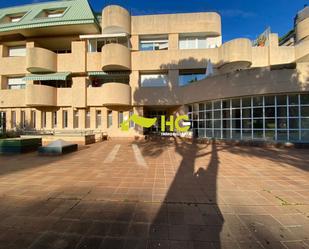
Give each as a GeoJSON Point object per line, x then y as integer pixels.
{"type": "Point", "coordinates": [41, 60]}
{"type": "Point", "coordinates": [302, 29]}
{"type": "Point", "coordinates": [39, 95]}
{"type": "Point", "coordinates": [12, 98]}
{"type": "Point", "coordinates": [115, 57]}
{"type": "Point", "coordinates": [116, 19]}
{"type": "Point", "coordinates": [235, 54]}
{"type": "Point", "coordinates": [110, 94]}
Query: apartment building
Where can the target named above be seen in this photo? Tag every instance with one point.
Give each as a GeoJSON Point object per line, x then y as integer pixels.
{"type": "Point", "coordinates": [65, 68]}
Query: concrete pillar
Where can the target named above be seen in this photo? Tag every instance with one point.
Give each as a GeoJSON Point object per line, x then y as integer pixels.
{"type": "Point", "coordinates": [82, 119]}
{"type": "Point", "coordinates": [173, 40]}
{"type": "Point", "coordinates": [134, 42]}
{"type": "Point", "coordinates": [49, 120]}
{"type": "Point", "coordinates": [60, 119]}
{"type": "Point", "coordinates": [104, 118]}
{"type": "Point", "coordinates": [93, 113]}
{"type": "Point", "coordinates": [70, 118]}
{"type": "Point", "coordinates": [79, 92]}
{"type": "Point", "coordinates": [38, 119]}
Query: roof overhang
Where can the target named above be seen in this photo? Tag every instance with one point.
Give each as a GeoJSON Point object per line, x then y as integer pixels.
{"type": "Point", "coordinates": [103, 36]}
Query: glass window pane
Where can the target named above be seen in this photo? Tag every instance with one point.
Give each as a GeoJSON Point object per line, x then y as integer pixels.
{"type": "Point", "coordinates": [305, 111]}
{"type": "Point", "coordinates": [281, 111]}
{"type": "Point", "coordinates": [258, 123]}
{"type": "Point", "coordinates": [281, 123]}
{"type": "Point", "coordinates": [270, 112]}
{"type": "Point", "coordinates": [270, 134]}
{"type": "Point", "coordinates": [226, 104]}
{"type": "Point", "coordinates": [217, 114]}
{"type": "Point", "coordinates": [246, 124]}
{"type": "Point", "coordinates": [269, 100]}
{"type": "Point", "coordinates": [235, 113]}
{"type": "Point", "coordinates": [270, 123]}
{"type": "Point", "coordinates": [293, 111]}
{"type": "Point", "coordinates": [209, 115]}
{"type": "Point", "coordinates": [258, 101]}
{"type": "Point", "coordinates": [201, 124]}
{"type": "Point", "coordinates": [201, 115]}
{"type": "Point", "coordinates": [304, 99]}
{"type": "Point", "coordinates": [305, 123]}
{"type": "Point", "coordinates": [217, 124]}
{"type": "Point", "coordinates": [236, 123]}
{"type": "Point", "coordinates": [281, 100]}
{"type": "Point", "coordinates": [294, 123]}
{"type": "Point", "coordinates": [294, 135]}
{"type": "Point", "coordinates": [258, 134]}
{"type": "Point", "coordinates": [258, 112]}
{"type": "Point", "coordinates": [282, 135]}
{"type": "Point", "coordinates": [201, 133]}
{"type": "Point", "coordinates": [208, 124]}
{"type": "Point", "coordinates": [209, 133]}
{"type": "Point", "coordinates": [201, 107]}
{"type": "Point", "coordinates": [293, 99]}
{"type": "Point", "coordinates": [208, 106]}
{"type": "Point", "coordinates": [226, 123]}
{"type": "Point", "coordinates": [246, 102]}
{"type": "Point", "coordinates": [246, 134]}
{"type": "Point", "coordinates": [217, 105]}
{"type": "Point", "coordinates": [235, 103]}
{"type": "Point", "coordinates": [217, 134]}
{"type": "Point", "coordinates": [226, 134]}
{"type": "Point", "coordinates": [236, 134]}
{"type": "Point", "coordinates": [246, 113]}
{"type": "Point", "coordinates": [305, 135]}
{"type": "Point", "coordinates": [226, 114]}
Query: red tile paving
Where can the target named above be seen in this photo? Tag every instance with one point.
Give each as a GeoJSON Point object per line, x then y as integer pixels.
{"type": "Point", "coordinates": [186, 196]}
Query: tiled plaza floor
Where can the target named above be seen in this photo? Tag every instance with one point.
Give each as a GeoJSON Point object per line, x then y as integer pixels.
{"type": "Point", "coordinates": [121, 194]}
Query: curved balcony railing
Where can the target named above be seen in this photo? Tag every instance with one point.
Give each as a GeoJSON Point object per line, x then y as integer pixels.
{"type": "Point", "coordinates": [41, 60]}
{"type": "Point", "coordinates": [115, 57]}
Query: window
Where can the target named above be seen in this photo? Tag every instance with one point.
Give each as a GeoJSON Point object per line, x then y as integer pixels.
{"type": "Point", "coordinates": [52, 13]}
{"type": "Point", "coordinates": [148, 43]}
{"type": "Point", "coordinates": [153, 80]}
{"type": "Point", "coordinates": [131, 122]}
{"type": "Point", "coordinates": [75, 119]}
{"type": "Point", "coordinates": [55, 121]}
{"type": "Point", "coordinates": [120, 118]}
{"type": "Point", "coordinates": [13, 18]}
{"type": "Point", "coordinates": [13, 119]}
{"type": "Point", "coordinates": [65, 119]}
{"type": "Point", "coordinates": [33, 119]}
{"type": "Point", "coordinates": [87, 119]}
{"type": "Point", "coordinates": [277, 118]}
{"type": "Point", "coordinates": [17, 51]}
{"type": "Point", "coordinates": [43, 119]}
{"type": "Point", "coordinates": [188, 76]}
{"type": "Point", "coordinates": [16, 83]}
{"type": "Point", "coordinates": [23, 119]}
{"type": "Point", "coordinates": [198, 41]}
{"type": "Point", "coordinates": [109, 119]}
{"type": "Point", "coordinates": [98, 119]}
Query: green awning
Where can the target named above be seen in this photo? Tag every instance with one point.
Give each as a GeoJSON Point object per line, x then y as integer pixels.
{"type": "Point", "coordinates": [102, 74]}
{"type": "Point", "coordinates": [97, 73]}
{"type": "Point", "coordinates": [50, 76]}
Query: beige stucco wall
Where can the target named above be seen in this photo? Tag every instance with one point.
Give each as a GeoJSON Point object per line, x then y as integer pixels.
{"type": "Point", "coordinates": [302, 30]}
{"type": "Point", "coordinates": [115, 57]}
{"type": "Point", "coordinates": [115, 19]}
{"type": "Point", "coordinates": [41, 60]}
{"type": "Point", "coordinates": [39, 95]}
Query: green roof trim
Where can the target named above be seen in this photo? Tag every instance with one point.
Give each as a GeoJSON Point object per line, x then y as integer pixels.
{"type": "Point", "coordinates": [76, 12]}
{"type": "Point", "coordinates": [51, 76]}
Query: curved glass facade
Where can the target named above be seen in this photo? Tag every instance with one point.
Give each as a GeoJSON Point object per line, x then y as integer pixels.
{"type": "Point", "coordinates": [270, 117]}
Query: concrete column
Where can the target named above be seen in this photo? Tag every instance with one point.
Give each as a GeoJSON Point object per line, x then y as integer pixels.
{"type": "Point", "coordinates": [134, 42]}
{"type": "Point", "coordinates": [82, 118]}
{"type": "Point", "coordinates": [104, 119]}
{"type": "Point", "coordinates": [8, 113]}
{"type": "Point", "coordinates": [49, 120]}
{"type": "Point", "coordinates": [93, 113]}
{"type": "Point", "coordinates": [79, 92]}
{"type": "Point", "coordinates": [173, 40]}
{"type": "Point", "coordinates": [173, 76]}
{"type": "Point", "coordinates": [38, 121]}
{"type": "Point", "coordinates": [18, 116]}
{"type": "Point", "coordinates": [60, 119]}
{"type": "Point", "coordinates": [70, 118]}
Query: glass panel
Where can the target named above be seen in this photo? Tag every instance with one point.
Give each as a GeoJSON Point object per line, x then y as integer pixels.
{"type": "Point", "coordinates": [270, 134]}
{"type": "Point", "coordinates": [235, 103]}
{"type": "Point", "coordinates": [258, 112]}
{"type": "Point", "coordinates": [270, 112]}
{"type": "Point", "coordinates": [246, 124]}
{"type": "Point", "coordinates": [209, 115]}
{"type": "Point", "coordinates": [294, 135]}
{"type": "Point", "coordinates": [305, 123]}
{"type": "Point", "coordinates": [208, 133]}
{"type": "Point", "coordinates": [281, 100]}
{"type": "Point", "coordinates": [217, 134]}
{"type": "Point", "coordinates": [294, 123]}
{"type": "Point", "coordinates": [201, 124]}
{"type": "Point", "coordinates": [217, 124]}
{"type": "Point", "coordinates": [282, 135]}
{"type": "Point", "coordinates": [236, 123]}
{"type": "Point", "coordinates": [269, 100]}
{"type": "Point", "coordinates": [201, 107]}
{"type": "Point", "coordinates": [258, 124]}
{"type": "Point", "coordinates": [293, 99]}
{"type": "Point", "coordinates": [226, 123]}
{"type": "Point", "coordinates": [246, 134]}
{"type": "Point", "coordinates": [246, 113]}
{"type": "Point", "coordinates": [304, 99]}
{"type": "Point", "coordinates": [217, 105]}
{"type": "Point", "coordinates": [235, 113]}
{"type": "Point", "coordinates": [201, 115]}
{"type": "Point", "coordinates": [201, 133]}
{"type": "Point", "coordinates": [246, 102]}
{"type": "Point", "coordinates": [217, 114]}
{"type": "Point", "coordinates": [258, 134]}
{"type": "Point", "coordinates": [226, 104]}
{"type": "Point", "coordinates": [305, 135]}
{"type": "Point", "coordinates": [282, 123]}
{"type": "Point", "coordinates": [305, 111]}
{"type": "Point", "coordinates": [270, 123]}
{"type": "Point", "coordinates": [226, 114]}
{"type": "Point", "coordinates": [209, 106]}
{"type": "Point", "coordinates": [226, 134]}
{"type": "Point", "coordinates": [293, 111]}
{"type": "Point", "coordinates": [281, 111]}
{"type": "Point", "coordinates": [258, 101]}
{"type": "Point", "coordinates": [236, 134]}
{"type": "Point", "coordinates": [208, 124]}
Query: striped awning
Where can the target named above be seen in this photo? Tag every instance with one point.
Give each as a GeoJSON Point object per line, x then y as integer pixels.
{"type": "Point", "coordinates": [50, 76]}
{"type": "Point", "coordinates": [103, 74]}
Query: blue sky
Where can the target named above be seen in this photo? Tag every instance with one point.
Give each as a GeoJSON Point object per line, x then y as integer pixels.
{"type": "Point", "coordinates": [240, 18]}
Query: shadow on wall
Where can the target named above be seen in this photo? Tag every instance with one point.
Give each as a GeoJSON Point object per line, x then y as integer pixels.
{"type": "Point", "coordinates": [242, 82]}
